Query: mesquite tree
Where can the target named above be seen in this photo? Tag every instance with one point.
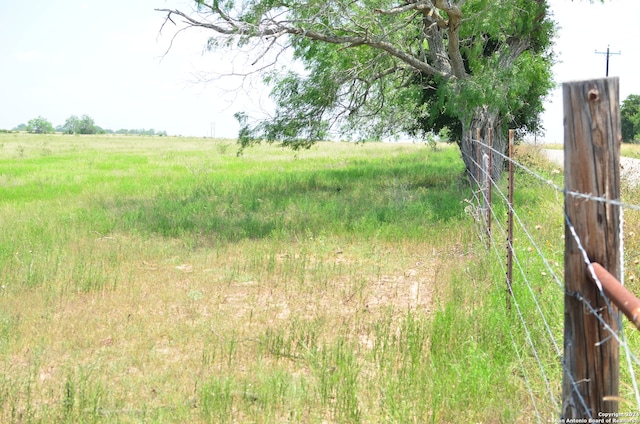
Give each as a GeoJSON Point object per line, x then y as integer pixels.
{"type": "Point", "coordinates": [374, 69]}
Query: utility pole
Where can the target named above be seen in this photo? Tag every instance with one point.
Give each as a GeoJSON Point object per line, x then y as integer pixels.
{"type": "Point", "coordinates": [608, 53]}
{"type": "Point", "coordinates": [213, 129]}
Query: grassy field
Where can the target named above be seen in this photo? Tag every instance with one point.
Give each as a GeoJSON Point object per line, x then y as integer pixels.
{"type": "Point", "coordinates": [168, 280]}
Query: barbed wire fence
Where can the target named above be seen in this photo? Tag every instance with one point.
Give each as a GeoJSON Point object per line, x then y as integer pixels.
{"type": "Point", "coordinates": [564, 303]}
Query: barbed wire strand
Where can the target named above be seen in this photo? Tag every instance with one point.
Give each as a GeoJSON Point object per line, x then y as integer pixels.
{"type": "Point", "coordinates": [558, 188]}
{"type": "Point", "coordinates": [630, 357]}
{"type": "Point", "coordinates": [534, 297]}
{"type": "Point", "coordinates": [540, 254]}
{"type": "Point", "coordinates": [523, 320]}
{"type": "Point", "coordinates": [527, 331]}
{"type": "Point", "coordinates": [621, 338]}
{"type": "Point", "coordinates": [585, 196]}
{"type": "Point", "coordinates": [537, 248]}
{"type": "Point", "coordinates": [539, 308]}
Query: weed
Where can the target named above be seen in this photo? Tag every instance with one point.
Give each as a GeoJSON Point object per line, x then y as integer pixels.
{"type": "Point", "coordinates": [149, 280]}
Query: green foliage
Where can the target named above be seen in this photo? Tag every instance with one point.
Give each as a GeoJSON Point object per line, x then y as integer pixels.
{"type": "Point", "coordinates": [141, 131]}
{"type": "Point", "coordinates": [444, 134]}
{"type": "Point", "coordinates": [39, 125]}
{"type": "Point", "coordinates": [86, 125]}
{"type": "Point", "coordinates": [382, 197]}
{"type": "Point", "coordinates": [298, 304]}
{"type": "Point", "coordinates": [375, 69]}
{"type": "Point", "coordinates": [630, 118]}
{"type": "Point", "coordinates": [514, 84]}
{"type": "Point", "coordinates": [83, 125]}
{"type": "Point", "coordinates": [70, 125]}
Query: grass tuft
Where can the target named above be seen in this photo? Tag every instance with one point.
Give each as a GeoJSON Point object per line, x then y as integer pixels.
{"type": "Point", "coordinates": [168, 280]}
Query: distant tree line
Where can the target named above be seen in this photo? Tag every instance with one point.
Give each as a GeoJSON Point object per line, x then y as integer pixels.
{"type": "Point", "coordinates": [78, 125]}
{"type": "Point", "coordinates": [141, 131]}
{"type": "Point", "coordinates": [630, 118]}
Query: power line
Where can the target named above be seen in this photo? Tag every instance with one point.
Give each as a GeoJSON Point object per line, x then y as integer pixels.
{"type": "Point", "coordinates": [608, 53]}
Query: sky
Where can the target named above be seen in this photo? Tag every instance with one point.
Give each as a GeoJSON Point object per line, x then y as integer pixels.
{"type": "Point", "coordinates": [109, 60]}
{"type": "Point", "coordinates": [585, 28]}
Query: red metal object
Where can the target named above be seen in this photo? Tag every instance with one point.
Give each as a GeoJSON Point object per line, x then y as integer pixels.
{"type": "Point", "coordinates": [626, 301]}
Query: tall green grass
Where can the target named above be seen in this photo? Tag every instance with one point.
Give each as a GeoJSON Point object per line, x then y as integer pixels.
{"type": "Point", "coordinates": [168, 280]}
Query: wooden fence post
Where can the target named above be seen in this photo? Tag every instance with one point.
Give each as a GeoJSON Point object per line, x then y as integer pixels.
{"type": "Point", "coordinates": [592, 167]}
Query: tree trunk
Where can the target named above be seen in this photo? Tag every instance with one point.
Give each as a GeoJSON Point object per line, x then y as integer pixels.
{"type": "Point", "coordinates": [482, 121]}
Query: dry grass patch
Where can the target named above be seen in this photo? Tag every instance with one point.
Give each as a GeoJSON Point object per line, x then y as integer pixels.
{"type": "Point", "coordinates": [150, 344]}
{"type": "Point", "coordinates": [150, 280]}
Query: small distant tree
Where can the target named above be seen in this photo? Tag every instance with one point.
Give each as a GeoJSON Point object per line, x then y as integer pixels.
{"type": "Point", "coordinates": [39, 125]}
{"type": "Point", "coordinates": [83, 125]}
{"type": "Point", "coordinates": [87, 125]}
{"type": "Point", "coordinates": [71, 125]}
{"type": "Point", "coordinates": [21, 127]}
{"type": "Point", "coordinates": [630, 118]}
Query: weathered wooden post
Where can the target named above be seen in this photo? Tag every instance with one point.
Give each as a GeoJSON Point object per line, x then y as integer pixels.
{"type": "Point", "coordinates": [591, 167]}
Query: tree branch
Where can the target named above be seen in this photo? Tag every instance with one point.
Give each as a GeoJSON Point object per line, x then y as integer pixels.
{"type": "Point", "coordinates": [453, 31]}
{"type": "Point", "coordinates": [232, 29]}
{"type": "Point", "coordinates": [382, 45]}
{"type": "Point", "coordinates": [421, 5]}
{"type": "Point", "coordinates": [278, 28]}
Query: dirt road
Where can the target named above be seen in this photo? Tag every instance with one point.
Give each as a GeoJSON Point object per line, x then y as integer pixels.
{"type": "Point", "coordinates": [629, 167]}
